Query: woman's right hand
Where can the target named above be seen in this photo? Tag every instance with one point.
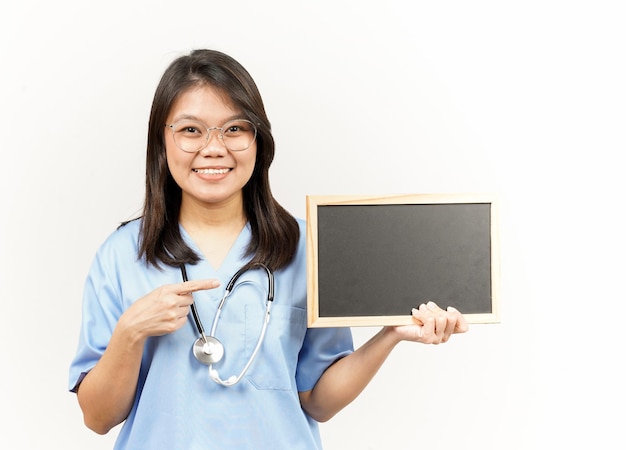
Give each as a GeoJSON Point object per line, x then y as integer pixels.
{"type": "Point", "coordinates": [107, 392]}
{"type": "Point", "coordinates": [164, 310]}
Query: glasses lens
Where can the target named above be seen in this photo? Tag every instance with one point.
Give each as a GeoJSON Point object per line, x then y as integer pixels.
{"type": "Point", "coordinates": [238, 135]}
{"type": "Point", "coordinates": [190, 136]}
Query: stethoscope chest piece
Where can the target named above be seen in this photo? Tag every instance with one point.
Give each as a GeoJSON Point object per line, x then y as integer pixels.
{"type": "Point", "coordinates": [208, 350]}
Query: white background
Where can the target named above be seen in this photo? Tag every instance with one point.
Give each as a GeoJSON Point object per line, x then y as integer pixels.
{"type": "Point", "coordinates": [526, 99]}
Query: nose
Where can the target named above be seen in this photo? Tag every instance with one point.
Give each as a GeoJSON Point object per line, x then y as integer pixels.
{"type": "Point", "coordinates": [215, 144]}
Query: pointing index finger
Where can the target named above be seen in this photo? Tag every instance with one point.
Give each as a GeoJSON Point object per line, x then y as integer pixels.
{"type": "Point", "coordinates": [187, 287]}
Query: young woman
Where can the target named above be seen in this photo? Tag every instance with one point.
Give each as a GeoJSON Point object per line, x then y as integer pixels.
{"type": "Point", "coordinates": [209, 215]}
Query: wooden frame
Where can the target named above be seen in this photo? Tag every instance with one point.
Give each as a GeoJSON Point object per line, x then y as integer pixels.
{"type": "Point", "coordinates": [339, 256]}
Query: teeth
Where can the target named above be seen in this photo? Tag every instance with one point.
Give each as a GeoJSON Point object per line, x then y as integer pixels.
{"type": "Point", "coordinates": [211, 171]}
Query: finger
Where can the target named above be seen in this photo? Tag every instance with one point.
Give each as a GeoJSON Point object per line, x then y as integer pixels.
{"type": "Point", "coordinates": [449, 328]}
{"type": "Point", "coordinates": [460, 324]}
{"type": "Point", "coordinates": [421, 313]}
{"type": "Point", "coordinates": [418, 316]}
{"type": "Point", "coordinates": [441, 325]}
{"type": "Point", "coordinates": [183, 312]}
{"type": "Point", "coordinates": [440, 319]}
{"type": "Point", "coordinates": [428, 330]}
{"type": "Point", "coordinates": [188, 287]}
{"type": "Point", "coordinates": [434, 321]}
{"type": "Point", "coordinates": [432, 306]}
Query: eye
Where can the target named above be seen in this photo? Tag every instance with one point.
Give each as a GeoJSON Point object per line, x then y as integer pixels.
{"type": "Point", "coordinates": [189, 129]}
{"type": "Point", "coordinates": [236, 128]}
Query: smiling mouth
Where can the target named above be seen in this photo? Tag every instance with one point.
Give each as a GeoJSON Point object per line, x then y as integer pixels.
{"type": "Point", "coordinates": [211, 171]}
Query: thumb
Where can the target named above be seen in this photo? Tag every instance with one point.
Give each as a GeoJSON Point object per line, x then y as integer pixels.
{"type": "Point", "coordinates": [461, 323]}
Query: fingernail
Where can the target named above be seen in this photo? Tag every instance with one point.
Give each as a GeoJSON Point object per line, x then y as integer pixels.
{"type": "Point", "coordinates": [414, 311]}
{"type": "Point", "coordinates": [431, 305]}
{"type": "Point", "coordinates": [453, 309]}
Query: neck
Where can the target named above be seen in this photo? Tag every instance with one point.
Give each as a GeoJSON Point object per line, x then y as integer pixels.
{"type": "Point", "coordinates": [214, 228]}
{"type": "Point", "coordinates": [196, 215]}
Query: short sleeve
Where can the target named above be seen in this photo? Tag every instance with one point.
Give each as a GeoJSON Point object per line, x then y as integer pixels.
{"type": "Point", "coordinates": [321, 348]}
{"type": "Point", "coordinates": [101, 309]}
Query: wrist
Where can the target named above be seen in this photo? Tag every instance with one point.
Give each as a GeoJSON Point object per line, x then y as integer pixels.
{"type": "Point", "coordinates": [131, 335]}
{"type": "Point", "coordinates": [390, 335]}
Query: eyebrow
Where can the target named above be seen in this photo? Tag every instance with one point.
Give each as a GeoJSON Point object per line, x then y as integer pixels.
{"type": "Point", "coordinates": [192, 117]}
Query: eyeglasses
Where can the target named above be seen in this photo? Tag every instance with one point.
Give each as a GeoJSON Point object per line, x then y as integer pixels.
{"type": "Point", "coordinates": [192, 136]}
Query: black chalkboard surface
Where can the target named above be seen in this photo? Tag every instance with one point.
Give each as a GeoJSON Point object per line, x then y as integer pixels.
{"type": "Point", "coordinates": [370, 260]}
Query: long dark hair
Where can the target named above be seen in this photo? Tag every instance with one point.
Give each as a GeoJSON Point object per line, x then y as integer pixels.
{"type": "Point", "coordinates": [275, 232]}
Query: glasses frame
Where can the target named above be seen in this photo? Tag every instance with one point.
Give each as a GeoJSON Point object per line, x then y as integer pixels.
{"type": "Point", "coordinates": [208, 135]}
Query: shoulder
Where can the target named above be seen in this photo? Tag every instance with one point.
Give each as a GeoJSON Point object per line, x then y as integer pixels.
{"type": "Point", "coordinates": [117, 266]}
{"type": "Point", "coordinates": [123, 241]}
{"type": "Point", "coordinates": [127, 231]}
{"type": "Point", "coordinates": [299, 257]}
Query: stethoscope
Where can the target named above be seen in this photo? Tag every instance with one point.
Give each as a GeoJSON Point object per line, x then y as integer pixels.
{"type": "Point", "coordinates": [208, 349]}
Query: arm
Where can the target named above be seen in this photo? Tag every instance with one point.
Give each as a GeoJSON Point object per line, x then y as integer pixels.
{"type": "Point", "coordinates": [107, 392]}
{"type": "Point", "coordinates": [342, 382]}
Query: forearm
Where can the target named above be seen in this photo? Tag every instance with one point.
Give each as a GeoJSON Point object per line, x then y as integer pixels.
{"type": "Point", "coordinates": [107, 393]}
{"type": "Point", "coordinates": [342, 382]}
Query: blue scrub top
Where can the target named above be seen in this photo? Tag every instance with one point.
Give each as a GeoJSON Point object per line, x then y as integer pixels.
{"type": "Point", "coordinates": [177, 405]}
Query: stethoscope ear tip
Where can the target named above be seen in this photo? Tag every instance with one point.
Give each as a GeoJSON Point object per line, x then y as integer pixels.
{"type": "Point", "coordinates": [233, 379]}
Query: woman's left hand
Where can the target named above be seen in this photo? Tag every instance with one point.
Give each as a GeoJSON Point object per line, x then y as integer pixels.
{"type": "Point", "coordinates": [433, 325]}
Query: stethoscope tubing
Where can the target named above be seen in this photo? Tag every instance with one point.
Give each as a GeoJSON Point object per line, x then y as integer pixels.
{"type": "Point", "coordinates": [207, 358]}
{"type": "Point", "coordinates": [194, 311]}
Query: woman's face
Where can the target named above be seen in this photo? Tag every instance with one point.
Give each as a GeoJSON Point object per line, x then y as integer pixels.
{"type": "Point", "coordinates": [213, 175]}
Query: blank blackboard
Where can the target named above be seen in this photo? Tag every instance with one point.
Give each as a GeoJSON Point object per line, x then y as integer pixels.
{"type": "Point", "coordinates": [370, 260]}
